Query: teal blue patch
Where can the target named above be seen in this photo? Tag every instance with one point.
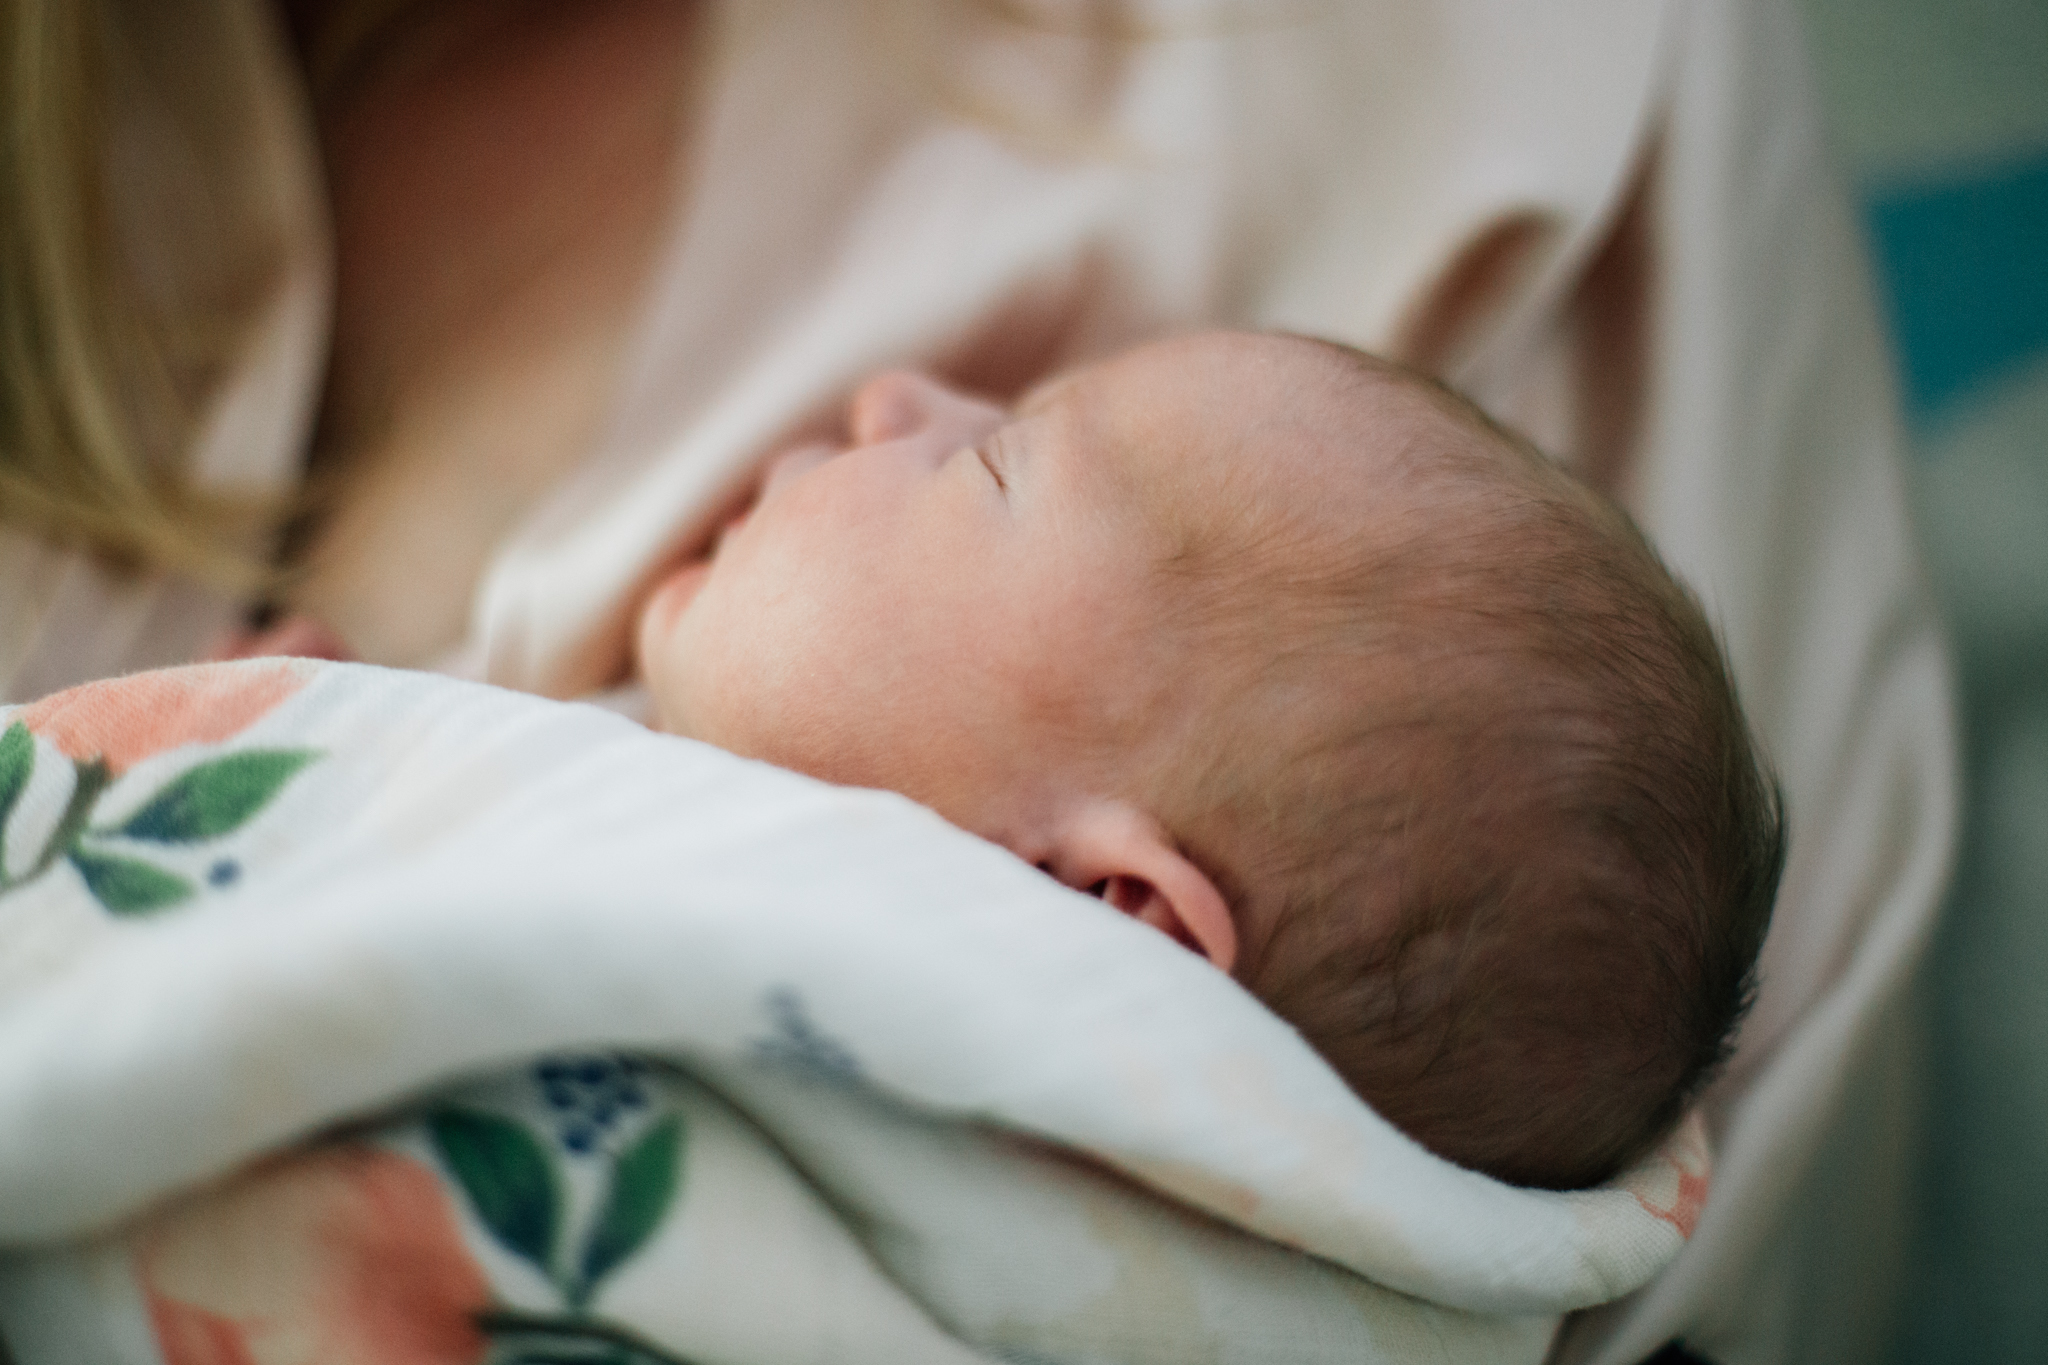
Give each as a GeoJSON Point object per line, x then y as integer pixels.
{"type": "Point", "coordinates": [1965, 262]}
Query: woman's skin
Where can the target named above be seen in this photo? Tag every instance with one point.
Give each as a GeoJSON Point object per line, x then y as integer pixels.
{"type": "Point", "coordinates": [499, 172]}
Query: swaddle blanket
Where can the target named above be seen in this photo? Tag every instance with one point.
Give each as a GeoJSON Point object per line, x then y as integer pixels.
{"type": "Point", "coordinates": [348, 1014]}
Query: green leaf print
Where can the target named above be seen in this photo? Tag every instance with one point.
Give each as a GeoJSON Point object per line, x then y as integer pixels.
{"type": "Point", "coordinates": [643, 1185]}
{"type": "Point", "coordinates": [89, 779]}
{"type": "Point", "coordinates": [17, 765]}
{"type": "Point", "coordinates": [127, 886]}
{"type": "Point", "coordinates": [518, 1338]}
{"type": "Point", "coordinates": [214, 798]}
{"type": "Point", "coordinates": [508, 1178]}
{"type": "Point", "coordinates": [17, 762]}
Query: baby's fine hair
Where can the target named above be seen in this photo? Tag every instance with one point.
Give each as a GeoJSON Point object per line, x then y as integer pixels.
{"type": "Point", "coordinates": [1493, 825]}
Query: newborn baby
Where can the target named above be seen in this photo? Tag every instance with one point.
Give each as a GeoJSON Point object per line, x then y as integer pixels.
{"type": "Point", "coordinates": [1299, 659]}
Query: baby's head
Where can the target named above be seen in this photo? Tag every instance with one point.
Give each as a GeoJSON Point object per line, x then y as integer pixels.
{"type": "Point", "coordinates": [1299, 659]}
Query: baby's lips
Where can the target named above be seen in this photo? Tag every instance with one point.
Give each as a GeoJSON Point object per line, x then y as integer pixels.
{"type": "Point", "coordinates": [677, 587]}
{"type": "Point", "coordinates": [674, 592]}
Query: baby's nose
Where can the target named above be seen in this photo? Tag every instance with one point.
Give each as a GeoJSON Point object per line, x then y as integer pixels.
{"type": "Point", "coordinates": [889, 407]}
{"type": "Point", "coordinates": [902, 406]}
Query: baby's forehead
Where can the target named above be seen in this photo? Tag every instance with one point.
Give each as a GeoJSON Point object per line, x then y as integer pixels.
{"type": "Point", "coordinates": [1237, 428]}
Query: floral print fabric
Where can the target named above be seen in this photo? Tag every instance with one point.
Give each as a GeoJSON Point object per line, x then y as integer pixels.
{"type": "Point", "coordinates": [415, 1021]}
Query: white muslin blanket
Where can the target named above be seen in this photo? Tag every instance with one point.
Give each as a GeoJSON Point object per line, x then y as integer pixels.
{"type": "Point", "coordinates": [679, 1057]}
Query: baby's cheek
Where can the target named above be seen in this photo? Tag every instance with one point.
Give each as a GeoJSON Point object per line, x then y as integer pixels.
{"type": "Point", "coordinates": [714, 684]}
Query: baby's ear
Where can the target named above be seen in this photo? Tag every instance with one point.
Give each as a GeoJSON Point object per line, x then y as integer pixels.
{"type": "Point", "coordinates": [1122, 855]}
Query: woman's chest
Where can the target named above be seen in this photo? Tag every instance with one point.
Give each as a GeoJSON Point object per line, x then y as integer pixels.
{"type": "Point", "coordinates": [499, 178]}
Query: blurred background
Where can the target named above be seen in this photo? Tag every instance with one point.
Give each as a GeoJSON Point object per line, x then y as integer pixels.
{"type": "Point", "coordinates": [1939, 115]}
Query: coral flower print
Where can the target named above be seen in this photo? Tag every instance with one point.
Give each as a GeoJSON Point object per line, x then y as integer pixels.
{"type": "Point", "coordinates": [104, 728]}
{"type": "Point", "coordinates": [343, 1256]}
{"type": "Point", "coordinates": [122, 721]}
{"type": "Point", "coordinates": [1674, 1187]}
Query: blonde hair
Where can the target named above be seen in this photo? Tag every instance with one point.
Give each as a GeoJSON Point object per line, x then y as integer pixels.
{"type": "Point", "coordinates": [99, 382]}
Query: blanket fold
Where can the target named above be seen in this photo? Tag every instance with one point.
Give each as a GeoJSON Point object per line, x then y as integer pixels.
{"type": "Point", "coordinates": [249, 902]}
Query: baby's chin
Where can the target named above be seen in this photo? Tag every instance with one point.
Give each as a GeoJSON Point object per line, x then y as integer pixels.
{"type": "Point", "coordinates": [655, 645]}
